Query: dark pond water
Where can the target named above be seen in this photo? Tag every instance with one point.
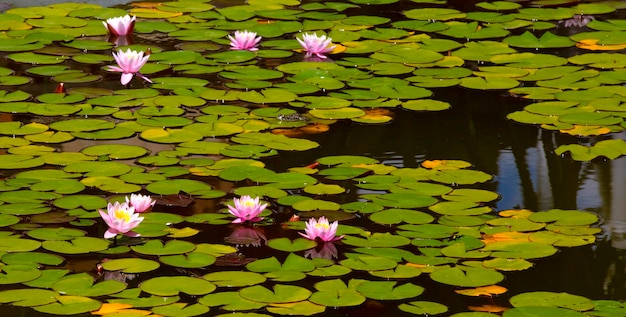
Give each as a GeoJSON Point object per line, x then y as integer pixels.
{"type": "Point", "coordinates": [527, 174]}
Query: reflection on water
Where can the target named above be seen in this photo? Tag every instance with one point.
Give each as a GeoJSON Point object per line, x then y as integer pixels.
{"type": "Point", "coordinates": [528, 174]}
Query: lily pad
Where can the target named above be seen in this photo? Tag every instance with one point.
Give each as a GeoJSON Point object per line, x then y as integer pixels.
{"type": "Point", "coordinates": [79, 245]}
{"type": "Point", "coordinates": [28, 297]}
{"type": "Point", "coordinates": [157, 247]}
{"type": "Point", "coordinates": [84, 284]}
{"type": "Point", "coordinates": [387, 290]}
{"type": "Point", "coordinates": [467, 276]}
{"type": "Point", "coordinates": [280, 294]}
{"type": "Point", "coordinates": [130, 265]}
{"type": "Point", "coordinates": [69, 305]}
{"type": "Point", "coordinates": [173, 285]}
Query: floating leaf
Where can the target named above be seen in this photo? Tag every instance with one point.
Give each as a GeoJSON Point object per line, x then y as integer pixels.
{"type": "Point", "coordinates": [69, 305]}
{"type": "Point", "coordinates": [552, 299]}
{"type": "Point", "coordinates": [280, 294]}
{"type": "Point", "coordinates": [12, 274]}
{"type": "Point", "coordinates": [564, 217]}
{"type": "Point", "coordinates": [466, 276]}
{"type": "Point", "coordinates": [395, 216]}
{"type": "Point", "coordinates": [173, 285]}
{"type": "Point", "coordinates": [130, 265]}
{"type": "Point", "coordinates": [234, 279]}
{"type": "Point", "coordinates": [77, 245]}
{"type": "Point", "coordinates": [157, 247]}
{"type": "Point", "coordinates": [84, 284]}
{"type": "Point", "coordinates": [387, 290]}
{"type": "Point", "coordinates": [181, 309]}
{"type": "Point", "coordinates": [517, 249]}
{"type": "Point", "coordinates": [28, 297]}
{"type": "Point", "coordinates": [547, 40]}
{"type": "Point", "coordinates": [285, 244]}
{"type": "Point", "coordinates": [190, 260]}
{"type": "Point", "coordinates": [423, 307]}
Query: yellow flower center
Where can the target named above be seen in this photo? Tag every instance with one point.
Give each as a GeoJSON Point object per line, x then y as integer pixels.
{"type": "Point", "coordinates": [322, 225]}
{"type": "Point", "coordinates": [122, 214]}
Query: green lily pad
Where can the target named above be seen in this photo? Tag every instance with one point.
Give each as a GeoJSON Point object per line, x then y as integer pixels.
{"type": "Point", "coordinates": [424, 307]}
{"type": "Point", "coordinates": [528, 60]}
{"type": "Point", "coordinates": [564, 217]}
{"type": "Point", "coordinates": [79, 245]}
{"type": "Point", "coordinates": [552, 299]}
{"type": "Point", "coordinates": [84, 284]}
{"type": "Point", "coordinates": [459, 208]}
{"type": "Point", "coordinates": [8, 220]}
{"type": "Point", "coordinates": [171, 187]}
{"type": "Point", "coordinates": [542, 311]}
{"type": "Point", "coordinates": [234, 279]}
{"type": "Point", "coordinates": [12, 274]}
{"type": "Point", "coordinates": [274, 141]}
{"type": "Point", "coordinates": [140, 302]}
{"type": "Point", "coordinates": [167, 135]}
{"type": "Point", "coordinates": [562, 240]}
{"type": "Point", "coordinates": [395, 216]}
{"type": "Point", "coordinates": [189, 260]}
{"type": "Point", "coordinates": [17, 95]}
{"type": "Point", "coordinates": [87, 202]}
{"type": "Point", "coordinates": [130, 265]}
{"type": "Point", "coordinates": [285, 244]}
{"type": "Point", "coordinates": [115, 151]}
{"type": "Point", "coordinates": [547, 40]}
{"type": "Point", "coordinates": [17, 128]}
{"type": "Point", "coordinates": [157, 247]}
{"type": "Point", "coordinates": [524, 250]}
{"type": "Point", "coordinates": [400, 271]}
{"type": "Point", "coordinates": [401, 200]}
{"type": "Point", "coordinates": [69, 305]}
{"type": "Point", "coordinates": [504, 264]}
{"type": "Point", "coordinates": [280, 294]}
{"type": "Point", "coordinates": [425, 105]}
{"type": "Point", "coordinates": [229, 301]}
{"type": "Point", "coordinates": [28, 297]}
{"type": "Point", "coordinates": [269, 95]}
{"type": "Point", "coordinates": [55, 233]}
{"type": "Point", "coordinates": [377, 240]}
{"type": "Point", "coordinates": [611, 149]}
{"type": "Point", "coordinates": [467, 276]}
{"type": "Point", "coordinates": [433, 14]}
{"type": "Point", "coordinates": [426, 231]}
{"type": "Point", "coordinates": [181, 309]}
{"type": "Point", "coordinates": [335, 293]}
{"type": "Point", "coordinates": [305, 308]}
{"type": "Point", "coordinates": [387, 290]}
{"type": "Point", "coordinates": [173, 285]}
{"type": "Point", "coordinates": [33, 58]}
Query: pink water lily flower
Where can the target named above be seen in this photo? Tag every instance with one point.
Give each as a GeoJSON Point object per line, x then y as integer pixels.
{"type": "Point", "coordinates": [321, 229]}
{"type": "Point", "coordinates": [244, 40]}
{"type": "Point", "coordinates": [120, 25]}
{"type": "Point", "coordinates": [140, 202]}
{"type": "Point", "coordinates": [316, 45]}
{"type": "Point", "coordinates": [246, 209]}
{"type": "Point", "coordinates": [121, 219]}
{"type": "Point", "coordinates": [129, 63]}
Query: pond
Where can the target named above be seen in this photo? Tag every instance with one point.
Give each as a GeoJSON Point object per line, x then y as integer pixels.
{"type": "Point", "coordinates": [469, 155]}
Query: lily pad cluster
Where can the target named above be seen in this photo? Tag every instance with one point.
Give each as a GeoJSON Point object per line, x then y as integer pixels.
{"type": "Point", "coordinates": [432, 220]}
{"type": "Point", "coordinates": [199, 134]}
{"type": "Point", "coordinates": [383, 64]}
